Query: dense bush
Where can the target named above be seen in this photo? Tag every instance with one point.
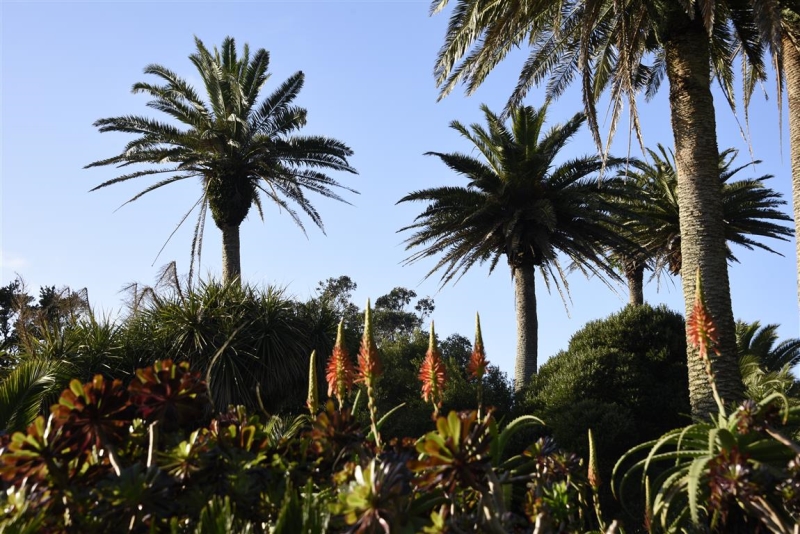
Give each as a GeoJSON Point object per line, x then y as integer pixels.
{"type": "Point", "coordinates": [631, 366]}
{"type": "Point", "coordinates": [624, 377]}
{"type": "Point", "coordinates": [250, 345]}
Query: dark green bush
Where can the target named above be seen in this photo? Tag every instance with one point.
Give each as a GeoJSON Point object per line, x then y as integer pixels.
{"type": "Point", "coordinates": [634, 359]}
{"type": "Point", "coordinates": [624, 377]}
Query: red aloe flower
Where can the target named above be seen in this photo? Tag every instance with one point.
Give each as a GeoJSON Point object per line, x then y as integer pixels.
{"type": "Point", "coordinates": [432, 374]}
{"type": "Point", "coordinates": [340, 372]}
{"type": "Point", "coordinates": [477, 362]}
{"type": "Point", "coordinates": [700, 326]}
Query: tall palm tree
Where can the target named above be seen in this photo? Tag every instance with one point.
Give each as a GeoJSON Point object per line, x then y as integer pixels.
{"type": "Point", "coordinates": [239, 148]}
{"type": "Point", "coordinates": [607, 43]}
{"type": "Point", "coordinates": [748, 206]}
{"type": "Point", "coordinates": [779, 21]}
{"type": "Point", "coordinates": [789, 63]}
{"type": "Point", "coordinates": [516, 204]}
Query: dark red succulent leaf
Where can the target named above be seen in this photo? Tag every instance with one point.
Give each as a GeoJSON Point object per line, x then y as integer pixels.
{"type": "Point", "coordinates": [171, 395]}
{"type": "Point", "coordinates": [96, 414]}
{"type": "Point", "coordinates": [751, 417]}
{"type": "Point", "coordinates": [730, 479]}
{"type": "Point", "coordinates": [336, 434]}
{"type": "Point", "coordinates": [38, 454]}
{"type": "Point", "coordinates": [236, 428]}
{"type": "Point", "coordinates": [456, 455]}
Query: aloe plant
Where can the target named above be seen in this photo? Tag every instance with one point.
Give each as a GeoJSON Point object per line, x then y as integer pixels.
{"type": "Point", "coordinates": [737, 470]}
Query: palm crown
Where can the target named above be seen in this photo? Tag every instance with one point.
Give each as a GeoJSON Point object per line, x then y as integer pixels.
{"type": "Point", "coordinates": [519, 204]}
{"type": "Point", "coordinates": [749, 208]}
{"type": "Point", "coordinates": [239, 148]}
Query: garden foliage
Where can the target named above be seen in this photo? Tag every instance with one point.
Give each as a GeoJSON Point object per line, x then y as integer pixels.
{"type": "Point", "coordinates": [150, 457]}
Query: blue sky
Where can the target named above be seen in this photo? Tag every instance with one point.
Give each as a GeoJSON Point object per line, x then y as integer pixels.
{"type": "Point", "coordinates": [369, 83]}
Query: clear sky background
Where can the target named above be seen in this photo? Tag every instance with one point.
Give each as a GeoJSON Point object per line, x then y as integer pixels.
{"type": "Point", "coordinates": [369, 83]}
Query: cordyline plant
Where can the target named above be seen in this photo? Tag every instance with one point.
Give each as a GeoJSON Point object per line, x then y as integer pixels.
{"type": "Point", "coordinates": [432, 375]}
{"type": "Point", "coordinates": [738, 472]}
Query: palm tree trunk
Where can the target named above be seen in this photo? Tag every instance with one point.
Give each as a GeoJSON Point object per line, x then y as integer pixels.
{"type": "Point", "coordinates": [634, 273]}
{"type": "Point", "coordinates": [699, 198]}
{"type": "Point", "coordinates": [231, 258]}
{"type": "Point", "coordinates": [527, 325]}
{"type": "Point", "coordinates": [791, 68]}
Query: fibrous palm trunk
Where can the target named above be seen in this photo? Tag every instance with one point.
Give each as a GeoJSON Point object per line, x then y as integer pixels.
{"type": "Point", "coordinates": [634, 274]}
{"type": "Point", "coordinates": [527, 325]}
{"type": "Point", "coordinates": [699, 197]}
{"type": "Point", "coordinates": [231, 259]}
{"type": "Point", "coordinates": [791, 69]}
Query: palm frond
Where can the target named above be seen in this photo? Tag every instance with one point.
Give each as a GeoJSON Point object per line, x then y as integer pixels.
{"type": "Point", "coordinates": [23, 392]}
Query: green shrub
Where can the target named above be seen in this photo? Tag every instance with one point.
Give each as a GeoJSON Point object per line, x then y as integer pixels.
{"type": "Point", "coordinates": [634, 359]}
{"type": "Point", "coordinates": [624, 377]}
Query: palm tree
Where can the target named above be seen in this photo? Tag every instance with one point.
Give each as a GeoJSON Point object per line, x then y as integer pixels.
{"type": "Point", "coordinates": [779, 21]}
{"type": "Point", "coordinates": [607, 43]}
{"type": "Point", "coordinates": [789, 63]}
{"type": "Point", "coordinates": [516, 204]}
{"type": "Point", "coordinates": [748, 210]}
{"type": "Point", "coordinates": [239, 148]}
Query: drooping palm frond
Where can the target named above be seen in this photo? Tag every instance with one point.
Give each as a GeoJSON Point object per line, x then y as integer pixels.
{"type": "Point", "coordinates": [24, 392]}
{"type": "Point", "coordinates": [605, 45]}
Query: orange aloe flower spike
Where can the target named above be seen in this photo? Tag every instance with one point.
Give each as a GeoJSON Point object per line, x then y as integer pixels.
{"type": "Point", "coordinates": [700, 325]}
{"type": "Point", "coordinates": [340, 372]}
{"type": "Point", "coordinates": [432, 373]}
{"type": "Point", "coordinates": [477, 361]}
{"type": "Point", "coordinates": [369, 363]}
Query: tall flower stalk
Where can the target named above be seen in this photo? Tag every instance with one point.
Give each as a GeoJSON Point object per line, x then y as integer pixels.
{"type": "Point", "coordinates": [340, 372]}
{"type": "Point", "coordinates": [369, 370]}
{"type": "Point", "coordinates": [702, 334]}
{"type": "Point", "coordinates": [313, 389]}
{"type": "Point", "coordinates": [432, 375]}
{"type": "Point", "coordinates": [478, 362]}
